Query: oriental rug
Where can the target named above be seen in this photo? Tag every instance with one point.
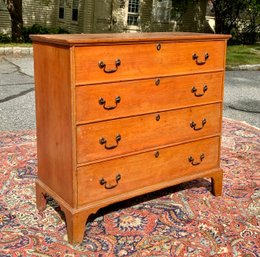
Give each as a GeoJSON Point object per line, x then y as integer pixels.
{"type": "Point", "coordinates": [183, 220]}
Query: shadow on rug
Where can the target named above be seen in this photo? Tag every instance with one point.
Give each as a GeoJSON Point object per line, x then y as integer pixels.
{"type": "Point", "coordinates": [184, 220]}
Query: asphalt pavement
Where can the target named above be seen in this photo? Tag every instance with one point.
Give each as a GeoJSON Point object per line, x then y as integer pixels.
{"type": "Point", "coordinates": [17, 100]}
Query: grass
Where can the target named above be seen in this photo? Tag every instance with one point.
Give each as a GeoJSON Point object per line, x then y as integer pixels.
{"type": "Point", "coordinates": [243, 54]}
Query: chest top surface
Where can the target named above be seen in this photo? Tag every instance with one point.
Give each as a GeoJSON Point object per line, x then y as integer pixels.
{"type": "Point", "coordinates": [120, 38]}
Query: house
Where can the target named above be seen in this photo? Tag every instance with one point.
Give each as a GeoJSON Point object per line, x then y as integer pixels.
{"type": "Point", "coordinates": [104, 16]}
{"type": "Point", "coordinates": [5, 24]}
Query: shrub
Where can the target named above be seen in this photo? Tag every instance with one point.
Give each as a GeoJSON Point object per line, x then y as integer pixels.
{"type": "Point", "coordinates": [39, 29]}
{"type": "Point", "coordinates": [4, 38]}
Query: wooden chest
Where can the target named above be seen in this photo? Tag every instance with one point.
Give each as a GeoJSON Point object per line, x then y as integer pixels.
{"type": "Point", "coordinates": [120, 115]}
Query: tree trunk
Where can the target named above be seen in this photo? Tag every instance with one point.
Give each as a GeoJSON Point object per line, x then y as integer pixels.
{"type": "Point", "coordinates": [16, 13]}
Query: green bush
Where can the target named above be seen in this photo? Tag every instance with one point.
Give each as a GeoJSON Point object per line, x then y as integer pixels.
{"type": "Point", "coordinates": [39, 29]}
{"type": "Point", "coordinates": [4, 38]}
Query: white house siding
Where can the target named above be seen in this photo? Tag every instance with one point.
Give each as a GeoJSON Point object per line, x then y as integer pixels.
{"type": "Point", "coordinates": [46, 13]}
{"type": "Point", "coordinates": [40, 12]}
{"type": "Point", "coordinates": [5, 22]}
{"type": "Point", "coordinates": [87, 16]}
{"type": "Point", "coordinates": [67, 23]}
{"type": "Point", "coordinates": [154, 15]}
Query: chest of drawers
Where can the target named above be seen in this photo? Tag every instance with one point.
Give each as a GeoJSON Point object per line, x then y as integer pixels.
{"type": "Point", "coordinates": [121, 115]}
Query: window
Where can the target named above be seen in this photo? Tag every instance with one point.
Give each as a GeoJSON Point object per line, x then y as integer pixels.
{"type": "Point", "coordinates": [75, 10]}
{"type": "Point", "coordinates": [61, 9]}
{"type": "Point", "coordinates": [133, 12]}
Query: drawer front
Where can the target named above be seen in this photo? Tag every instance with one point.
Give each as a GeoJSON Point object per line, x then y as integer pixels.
{"type": "Point", "coordinates": [114, 177]}
{"type": "Point", "coordinates": [95, 64]}
{"type": "Point", "coordinates": [112, 138]}
{"type": "Point", "coordinates": [114, 100]}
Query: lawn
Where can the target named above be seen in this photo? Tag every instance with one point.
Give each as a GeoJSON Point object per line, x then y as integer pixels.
{"type": "Point", "coordinates": [243, 54]}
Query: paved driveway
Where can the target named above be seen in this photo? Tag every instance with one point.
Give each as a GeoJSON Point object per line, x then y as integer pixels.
{"type": "Point", "coordinates": [17, 102]}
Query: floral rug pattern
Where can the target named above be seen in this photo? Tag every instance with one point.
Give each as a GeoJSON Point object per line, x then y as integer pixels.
{"type": "Point", "coordinates": [184, 220]}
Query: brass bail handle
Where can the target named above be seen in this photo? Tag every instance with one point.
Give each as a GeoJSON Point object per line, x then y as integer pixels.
{"type": "Point", "coordinates": [104, 183]}
{"type": "Point", "coordinates": [194, 91]}
{"type": "Point", "coordinates": [193, 125]}
{"type": "Point", "coordinates": [103, 141]}
{"type": "Point", "coordinates": [196, 58]}
{"type": "Point", "coordinates": [191, 160]}
{"type": "Point", "coordinates": [102, 65]}
{"type": "Point", "coordinates": [102, 102]}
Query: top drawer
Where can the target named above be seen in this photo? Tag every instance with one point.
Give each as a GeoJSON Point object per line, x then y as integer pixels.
{"type": "Point", "coordinates": [96, 64]}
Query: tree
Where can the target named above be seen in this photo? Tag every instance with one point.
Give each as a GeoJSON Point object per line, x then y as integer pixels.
{"type": "Point", "coordinates": [15, 10]}
{"type": "Point", "coordinates": [251, 23]}
{"type": "Point", "coordinates": [227, 13]}
{"type": "Point", "coordinates": [237, 17]}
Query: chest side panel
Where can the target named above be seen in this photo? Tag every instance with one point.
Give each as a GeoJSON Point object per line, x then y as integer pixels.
{"type": "Point", "coordinates": [54, 119]}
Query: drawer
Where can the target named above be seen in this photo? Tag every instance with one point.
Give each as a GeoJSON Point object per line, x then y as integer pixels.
{"type": "Point", "coordinates": [95, 64]}
{"type": "Point", "coordinates": [121, 99]}
{"type": "Point", "coordinates": [110, 178]}
{"type": "Point", "coordinates": [107, 139]}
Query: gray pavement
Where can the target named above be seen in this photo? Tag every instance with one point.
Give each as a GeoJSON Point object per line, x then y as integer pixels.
{"type": "Point", "coordinates": [17, 101]}
{"type": "Point", "coordinates": [242, 96]}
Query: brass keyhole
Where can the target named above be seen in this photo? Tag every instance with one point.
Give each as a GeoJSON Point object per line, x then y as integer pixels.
{"type": "Point", "coordinates": [156, 154]}
{"type": "Point", "coordinates": [157, 82]}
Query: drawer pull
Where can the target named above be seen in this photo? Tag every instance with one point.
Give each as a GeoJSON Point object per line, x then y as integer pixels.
{"type": "Point", "coordinates": [102, 101]}
{"type": "Point", "coordinates": [158, 47]}
{"type": "Point", "coordinates": [103, 141]}
{"type": "Point", "coordinates": [193, 124]}
{"type": "Point", "coordinates": [194, 91]}
{"type": "Point", "coordinates": [102, 182]}
{"type": "Point", "coordinates": [102, 65]}
{"type": "Point", "coordinates": [191, 159]}
{"type": "Point", "coordinates": [195, 57]}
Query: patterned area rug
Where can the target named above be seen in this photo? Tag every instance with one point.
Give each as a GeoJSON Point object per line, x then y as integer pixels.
{"type": "Point", "coordinates": [184, 220]}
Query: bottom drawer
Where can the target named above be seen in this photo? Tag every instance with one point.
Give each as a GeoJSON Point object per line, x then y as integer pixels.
{"type": "Point", "coordinates": [110, 178]}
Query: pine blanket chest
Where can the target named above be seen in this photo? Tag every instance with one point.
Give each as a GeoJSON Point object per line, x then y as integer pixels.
{"type": "Point", "coordinates": [120, 115]}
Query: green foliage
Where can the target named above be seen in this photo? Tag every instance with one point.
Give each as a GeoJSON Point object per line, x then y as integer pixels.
{"type": "Point", "coordinates": [241, 18]}
{"type": "Point", "coordinates": [4, 38]}
{"type": "Point", "coordinates": [39, 29]}
{"type": "Point", "coordinates": [250, 31]}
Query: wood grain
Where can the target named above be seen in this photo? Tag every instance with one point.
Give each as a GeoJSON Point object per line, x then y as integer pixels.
{"type": "Point", "coordinates": [142, 61]}
{"type": "Point", "coordinates": [158, 147]}
{"type": "Point", "coordinates": [144, 132]}
{"type": "Point", "coordinates": [145, 169]}
{"type": "Point", "coordinates": [144, 96]}
{"type": "Point", "coordinates": [130, 38]}
{"type": "Point", "coordinates": [53, 119]}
